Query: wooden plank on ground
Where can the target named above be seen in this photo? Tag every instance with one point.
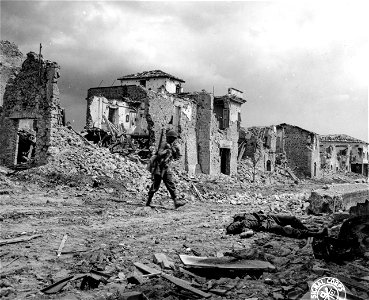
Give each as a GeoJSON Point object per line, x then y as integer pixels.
{"type": "Point", "coordinates": [226, 263]}
{"type": "Point", "coordinates": [162, 260]}
{"type": "Point", "coordinates": [197, 192]}
{"type": "Point", "coordinates": [19, 239]}
{"type": "Point", "coordinates": [151, 271]}
{"type": "Point", "coordinates": [185, 285]}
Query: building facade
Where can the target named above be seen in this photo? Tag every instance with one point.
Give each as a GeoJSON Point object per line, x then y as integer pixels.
{"type": "Point", "coordinates": [300, 148]}
{"type": "Point", "coordinates": [208, 126]}
{"type": "Point", "coordinates": [343, 153]}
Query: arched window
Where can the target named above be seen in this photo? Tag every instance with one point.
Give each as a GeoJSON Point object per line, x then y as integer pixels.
{"type": "Point", "coordinates": [127, 118]}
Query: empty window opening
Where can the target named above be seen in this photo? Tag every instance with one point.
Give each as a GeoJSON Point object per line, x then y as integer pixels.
{"type": "Point", "coordinates": [360, 151]}
{"type": "Point", "coordinates": [221, 111]}
{"type": "Point", "coordinates": [225, 161]}
{"type": "Point", "coordinates": [113, 115]}
{"type": "Point", "coordinates": [143, 82]}
{"type": "Point", "coordinates": [127, 118]}
{"type": "Point", "coordinates": [314, 169]}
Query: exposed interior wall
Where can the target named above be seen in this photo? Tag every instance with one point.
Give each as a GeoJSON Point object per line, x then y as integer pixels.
{"type": "Point", "coordinates": [116, 111]}
{"type": "Point", "coordinates": [34, 95]}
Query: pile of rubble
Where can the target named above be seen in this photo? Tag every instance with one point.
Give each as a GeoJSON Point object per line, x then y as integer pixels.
{"type": "Point", "coordinates": [245, 174]}
{"type": "Point", "coordinates": [73, 159]}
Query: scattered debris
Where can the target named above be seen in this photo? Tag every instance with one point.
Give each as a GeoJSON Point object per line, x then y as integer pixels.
{"type": "Point", "coordinates": [185, 285]}
{"type": "Point", "coordinates": [19, 239]}
{"type": "Point", "coordinates": [65, 237]}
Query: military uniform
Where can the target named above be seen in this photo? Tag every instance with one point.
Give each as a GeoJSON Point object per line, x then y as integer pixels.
{"type": "Point", "coordinates": [161, 171]}
{"type": "Point", "coordinates": [279, 224]}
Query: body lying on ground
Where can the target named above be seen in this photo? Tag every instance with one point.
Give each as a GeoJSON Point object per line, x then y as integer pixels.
{"type": "Point", "coordinates": [284, 225]}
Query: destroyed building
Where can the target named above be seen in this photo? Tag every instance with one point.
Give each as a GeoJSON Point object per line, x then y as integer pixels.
{"type": "Point", "coordinates": [301, 149]}
{"type": "Point", "coordinates": [148, 103]}
{"type": "Point", "coordinates": [340, 152]}
{"type": "Point", "coordinates": [259, 144]}
{"type": "Point", "coordinates": [284, 144]}
{"type": "Point", "coordinates": [30, 111]}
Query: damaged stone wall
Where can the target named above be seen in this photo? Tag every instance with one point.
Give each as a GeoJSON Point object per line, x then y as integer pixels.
{"type": "Point", "coordinates": [302, 150]}
{"type": "Point", "coordinates": [31, 97]}
{"type": "Point", "coordinates": [11, 61]}
{"type": "Point", "coordinates": [267, 139]}
{"type": "Point", "coordinates": [217, 148]}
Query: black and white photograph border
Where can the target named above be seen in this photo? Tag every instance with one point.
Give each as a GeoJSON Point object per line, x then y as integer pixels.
{"type": "Point", "coordinates": [184, 150]}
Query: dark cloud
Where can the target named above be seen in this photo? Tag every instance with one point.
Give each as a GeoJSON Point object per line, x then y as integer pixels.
{"type": "Point", "coordinates": [299, 63]}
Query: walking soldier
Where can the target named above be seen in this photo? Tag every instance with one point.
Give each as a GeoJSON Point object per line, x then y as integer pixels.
{"type": "Point", "coordinates": [160, 168]}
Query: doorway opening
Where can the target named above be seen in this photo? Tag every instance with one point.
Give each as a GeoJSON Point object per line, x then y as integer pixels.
{"type": "Point", "coordinates": [225, 161]}
{"type": "Point", "coordinates": [26, 141]}
{"type": "Point", "coordinates": [269, 165]}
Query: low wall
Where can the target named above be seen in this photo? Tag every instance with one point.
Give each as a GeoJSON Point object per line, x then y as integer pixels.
{"type": "Point", "coordinates": [338, 197]}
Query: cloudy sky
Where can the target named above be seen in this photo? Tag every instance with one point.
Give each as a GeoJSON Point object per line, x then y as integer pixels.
{"type": "Point", "coordinates": [302, 63]}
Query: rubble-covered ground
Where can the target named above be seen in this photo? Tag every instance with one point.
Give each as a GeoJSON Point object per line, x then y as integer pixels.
{"type": "Point", "coordinates": [97, 200]}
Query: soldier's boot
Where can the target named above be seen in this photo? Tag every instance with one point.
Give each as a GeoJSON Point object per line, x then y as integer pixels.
{"type": "Point", "coordinates": [177, 203]}
{"type": "Point", "coordinates": [308, 233]}
{"type": "Point", "coordinates": [149, 198]}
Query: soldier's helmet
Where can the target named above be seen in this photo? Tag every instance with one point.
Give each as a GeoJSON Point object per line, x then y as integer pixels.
{"type": "Point", "coordinates": [172, 133]}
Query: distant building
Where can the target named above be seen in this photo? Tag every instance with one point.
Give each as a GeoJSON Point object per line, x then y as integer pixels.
{"type": "Point", "coordinates": [340, 152]}
{"type": "Point", "coordinates": [284, 144]}
{"type": "Point", "coordinates": [301, 149]}
{"type": "Point", "coordinates": [154, 80]}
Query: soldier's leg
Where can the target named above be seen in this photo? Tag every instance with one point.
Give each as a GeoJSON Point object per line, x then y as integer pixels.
{"type": "Point", "coordinates": [289, 220]}
{"type": "Point", "coordinates": [154, 188]}
{"type": "Point", "coordinates": [295, 233]}
{"type": "Point", "coordinates": [169, 183]}
{"type": "Point", "coordinates": [171, 187]}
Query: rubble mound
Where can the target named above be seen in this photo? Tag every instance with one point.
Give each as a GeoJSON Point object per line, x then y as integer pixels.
{"type": "Point", "coordinates": [10, 63]}
{"type": "Point", "coordinates": [72, 159]}
{"type": "Point", "coordinates": [245, 174]}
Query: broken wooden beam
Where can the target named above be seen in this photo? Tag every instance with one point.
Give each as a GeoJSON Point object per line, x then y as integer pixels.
{"type": "Point", "coordinates": [151, 272]}
{"type": "Point", "coordinates": [197, 191]}
{"type": "Point", "coordinates": [185, 285]}
{"type": "Point", "coordinates": [19, 239]}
